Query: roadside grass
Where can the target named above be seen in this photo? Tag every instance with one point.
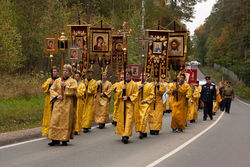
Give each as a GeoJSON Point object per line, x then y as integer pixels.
{"type": "Point", "coordinates": [240, 89]}
{"type": "Point", "coordinates": [21, 113]}
{"type": "Point", "coordinates": [21, 101]}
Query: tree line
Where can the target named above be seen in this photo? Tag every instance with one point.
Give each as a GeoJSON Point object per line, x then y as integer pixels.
{"type": "Point", "coordinates": [224, 38]}
{"type": "Point", "coordinates": [24, 24]}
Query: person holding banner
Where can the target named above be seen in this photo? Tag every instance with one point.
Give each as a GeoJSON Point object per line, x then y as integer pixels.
{"type": "Point", "coordinates": [125, 116]}
{"type": "Point", "coordinates": [156, 108]}
{"type": "Point", "coordinates": [91, 90]}
{"type": "Point", "coordinates": [63, 96]}
{"type": "Point", "coordinates": [181, 92]}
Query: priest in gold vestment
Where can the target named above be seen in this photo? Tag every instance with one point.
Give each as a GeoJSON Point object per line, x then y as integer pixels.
{"type": "Point", "coordinates": [63, 96]}
{"type": "Point", "coordinates": [47, 106]}
{"type": "Point", "coordinates": [88, 112]}
{"type": "Point", "coordinates": [193, 104]}
{"type": "Point", "coordinates": [181, 92]}
{"type": "Point", "coordinates": [216, 104]}
{"type": "Point", "coordinates": [156, 107]}
{"type": "Point", "coordinates": [102, 101]}
{"type": "Point", "coordinates": [126, 93]}
{"type": "Point", "coordinates": [116, 99]}
{"type": "Point", "coordinates": [80, 102]}
{"type": "Point", "coordinates": [142, 107]}
{"type": "Point", "coordinates": [168, 104]}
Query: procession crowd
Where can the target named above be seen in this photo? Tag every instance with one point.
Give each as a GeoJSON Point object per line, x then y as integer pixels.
{"type": "Point", "coordinates": [72, 104]}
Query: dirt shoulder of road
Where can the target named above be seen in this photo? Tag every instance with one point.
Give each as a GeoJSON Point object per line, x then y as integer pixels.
{"type": "Point", "coordinates": [20, 135]}
{"type": "Point", "coordinates": [24, 135]}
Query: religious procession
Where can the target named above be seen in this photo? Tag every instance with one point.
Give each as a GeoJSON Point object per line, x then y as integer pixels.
{"type": "Point", "coordinates": [138, 83]}
{"type": "Point", "coordinates": [140, 93]}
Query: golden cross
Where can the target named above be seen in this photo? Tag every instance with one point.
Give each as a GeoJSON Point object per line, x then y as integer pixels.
{"type": "Point", "coordinates": [124, 32]}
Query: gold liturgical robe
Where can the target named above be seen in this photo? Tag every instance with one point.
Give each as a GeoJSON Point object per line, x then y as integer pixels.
{"type": "Point", "coordinates": [156, 113]}
{"type": "Point", "coordinates": [101, 108]}
{"type": "Point", "coordinates": [170, 98]}
{"type": "Point", "coordinates": [179, 106]}
{"type": "Point", "coordinates": [115, 87]}
{"type": "Point", "coordinates": [199, 87]}
{"type": "Point", "coordinates": [47, 108]}
{"type": "Point", "coordinates": [63, 113]}
{"type": "Point", "coordinates": [131, 92]}
{"type": "Point", "coordinates": [88, 112]}
{"type": "Point", "coordinates": [217, 102]}
{"type": "Point", "coordinates": [142, 110]}
{"type": "Point", "coordinates": [80, 106]}
{"type": "Point", "coordinates": [193, 103]}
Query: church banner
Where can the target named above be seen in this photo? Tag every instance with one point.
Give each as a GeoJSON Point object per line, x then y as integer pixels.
{"type": "Point", "coordinates": [157, 53]}
{"type": "Point", "coordinates": [177, 49]}
{"type": "Point", "coordinates": [117, 53]}
{"type": "Point", "coordinates": [79, 46]}
{"type": "Point", "coordinates": [100, 46]}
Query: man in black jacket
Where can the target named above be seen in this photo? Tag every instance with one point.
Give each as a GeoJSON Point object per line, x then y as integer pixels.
{"type": "Point", "coordinates": [208, 95]}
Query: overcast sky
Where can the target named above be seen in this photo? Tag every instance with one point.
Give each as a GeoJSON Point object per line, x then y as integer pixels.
{"type": "Point", "coordinates": [202, 11]}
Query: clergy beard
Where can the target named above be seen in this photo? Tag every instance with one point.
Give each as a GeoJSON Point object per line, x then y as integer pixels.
{"type": "Point", "coordinates": [54, 78]}
{"type": "Point", "coordinates": [65, 78]}
{"type": "Point", "coordinates": [89, 79]}
{"type": "Point", "coordinates": [128, 81]}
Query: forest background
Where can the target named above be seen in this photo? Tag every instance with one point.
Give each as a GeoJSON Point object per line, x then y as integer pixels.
{"type": "Point", "coordinates": [223, 39]}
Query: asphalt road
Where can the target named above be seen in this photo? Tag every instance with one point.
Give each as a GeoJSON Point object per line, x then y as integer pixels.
{"type": "Point", "coordinates": [225, 141]}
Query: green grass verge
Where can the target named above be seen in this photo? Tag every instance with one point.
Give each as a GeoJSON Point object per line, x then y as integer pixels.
{"type": "Point", "coordinates": [21, 113]}
{"type": "Point", "coordinates": [240, 89]}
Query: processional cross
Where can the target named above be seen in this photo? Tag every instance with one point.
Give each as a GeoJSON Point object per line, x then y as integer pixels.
{"type": "Point", "coordinates": [124, 32]}
{"type": "Point", "coordinates": [143, 40]}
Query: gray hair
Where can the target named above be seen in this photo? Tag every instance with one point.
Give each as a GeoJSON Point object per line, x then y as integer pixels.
{"type": "Point", "coordinates": [68, 66]}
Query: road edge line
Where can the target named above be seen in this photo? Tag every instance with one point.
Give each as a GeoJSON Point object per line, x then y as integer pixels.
{"type": "Point", "coordinates": [184, 144]}
{"type": "Point", "coordinates": [34, 140]}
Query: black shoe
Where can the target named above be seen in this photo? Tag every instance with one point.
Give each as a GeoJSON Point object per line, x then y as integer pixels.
{"type": "Point", "coordinates": [211, 118]}
{"type": "Point", "coordinates": [85, 130]}
{"type": "Point", "coordinates": [174, 130]}
{"type": "Point", "coordinates": [152, 132]}
{"type": "Point", "coordinates": [114, 123]}
{"type": "Point", "coordinates": [75, 133]}
{"type": "Point", "coordinates": [54, 142]}
{"type": "Point", "coordinates": [64, 143]}
{"type": "Point", "coordinates": [101, 125]}
{"type": "Point", "coordinates": [157, 132]}
{"type": "Point", "coordinates": [180, 130]}
{"type": "Point", "coordinates": [125, 139]}
{"type": "Point", "coordinates": [204, 119]}
{"type": "Point", "coordinates": [192, 121]}
{"type": "Point", "coordinates": [145, 134]}
{"type": "Point", "coordinates": [141, 135]}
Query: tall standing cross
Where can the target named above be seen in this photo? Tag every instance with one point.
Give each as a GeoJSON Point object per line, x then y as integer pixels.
{"type": "Point", "coordinates": [124, 32]}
